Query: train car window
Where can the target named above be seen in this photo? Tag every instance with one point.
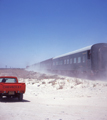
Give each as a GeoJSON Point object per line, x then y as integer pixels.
{"type": "Point", "coordinates": [88, 54]}
{"type": "Point", "coordinates": [64, 61]}
{"type": "Point", "coordinates": [83, 59]}
{"type": "Point", "coordinates": [79, 59]}
{"type": "Point", "coordinates": [57, 63]}
{"type": "Point", "coordinates": [75, 60]}
{"type": "Point", "coordinates": [71, 61]}
{"type": "Point", "coordinates": [53, 63]}
{"type": "Point", "coordinates": [61, 62]}
{"type": "Point", "coordinates": [67, 61]}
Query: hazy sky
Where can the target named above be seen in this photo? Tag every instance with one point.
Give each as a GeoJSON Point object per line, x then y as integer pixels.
{"type": "Point", "coordinates": [35, 30]}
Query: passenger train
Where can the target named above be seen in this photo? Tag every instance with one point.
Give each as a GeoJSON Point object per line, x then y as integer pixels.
{"type": "Point", "coordinates": [88, 61]}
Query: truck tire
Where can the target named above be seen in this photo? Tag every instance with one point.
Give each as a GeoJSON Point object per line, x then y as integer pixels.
{"type": "Point", "coordinates": [20, 96]}
{"type": "Point", "coordinates": [0, 96]}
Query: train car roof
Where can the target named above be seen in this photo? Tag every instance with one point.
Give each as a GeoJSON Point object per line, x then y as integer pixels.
{"type": "Point", "coordinates": [46, 60]}
{"type": "Point", "coordinates": [73, 52]}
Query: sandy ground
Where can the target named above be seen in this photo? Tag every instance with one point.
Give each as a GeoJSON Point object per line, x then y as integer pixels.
{"type": "Point", "coordinates": [50, 97]}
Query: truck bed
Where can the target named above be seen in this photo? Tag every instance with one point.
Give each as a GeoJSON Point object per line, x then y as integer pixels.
{"type": "Point", "coordinates": [10, 87]}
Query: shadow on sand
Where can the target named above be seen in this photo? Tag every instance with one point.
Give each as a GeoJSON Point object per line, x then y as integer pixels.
{"type": "Point", "coordinates": [11, 100]}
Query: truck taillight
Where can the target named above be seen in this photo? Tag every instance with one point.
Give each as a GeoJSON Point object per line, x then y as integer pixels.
{"type": "Point", "coordinates": [21, 91]}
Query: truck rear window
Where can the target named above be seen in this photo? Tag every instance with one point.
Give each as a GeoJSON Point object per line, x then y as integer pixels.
{"type": "Point", "coordinates": [8, 80]}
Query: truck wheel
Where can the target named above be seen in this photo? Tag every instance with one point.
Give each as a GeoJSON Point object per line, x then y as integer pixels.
{"type": "Point", "coordinates": [20, 96]}
{"type": "Point", "coordinates": [0, 96]}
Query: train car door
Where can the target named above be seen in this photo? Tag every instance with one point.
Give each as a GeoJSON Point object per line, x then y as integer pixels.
{"type": "Point", "coordinates": [103, 58]}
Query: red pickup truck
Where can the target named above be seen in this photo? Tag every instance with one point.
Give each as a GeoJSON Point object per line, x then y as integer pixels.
{"type": "Point", "coordinates": [10, 87]}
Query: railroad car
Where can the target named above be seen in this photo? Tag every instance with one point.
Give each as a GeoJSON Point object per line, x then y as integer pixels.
{"type": "Point", "coordinates": [88, 61]}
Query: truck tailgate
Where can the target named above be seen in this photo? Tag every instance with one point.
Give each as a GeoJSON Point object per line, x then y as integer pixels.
{"type": "Point", "coordinates": [17, 87]}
